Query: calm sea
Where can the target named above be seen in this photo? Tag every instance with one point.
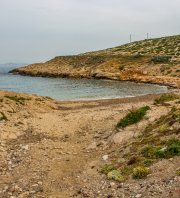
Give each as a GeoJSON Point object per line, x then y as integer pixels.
{"type": "Point", "coordinates": [75, 89]}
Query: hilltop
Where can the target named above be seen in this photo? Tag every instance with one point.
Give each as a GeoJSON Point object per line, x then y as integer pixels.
{"type": "Point", "coordinates": [167, 46]}
{"type": "Point", "coordinates": [154, 61]}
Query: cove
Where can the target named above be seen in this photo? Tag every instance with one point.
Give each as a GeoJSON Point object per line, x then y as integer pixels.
{"type": "Point", "coordinates": [77, 89]}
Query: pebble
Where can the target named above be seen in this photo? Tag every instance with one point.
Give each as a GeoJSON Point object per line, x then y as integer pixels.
{"type": "Point", "coordinates": [25, 147]}
{"type": "Point", "coordinates": [105, 157]}
{"type": "Point", "coordinates": [138, 196]}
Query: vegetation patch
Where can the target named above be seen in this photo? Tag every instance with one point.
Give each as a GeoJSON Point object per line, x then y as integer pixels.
{"type": "Point", "coordinates": [178, 172]}
{"type": "Point", "coordinates": [140, 172]}
{"type": "Point", "coordinates": [133, 117]}
{"type": "Point", "coordinates": [112, 172]}
{"type": "Point", "coordinates": [154, 143]}
{"type": "Point", "coordinates": [147, 162]}
{"type": "Point", "coordinates": [115, 175]}
{"type": "Point", "coordinates": [107, 168]}
{"type": "Point", "coordinates": [3, 116]}
{"type": "Point", "coordinates": [166, 98]}
{"type": "Point", "coordinates": [170, 149]}
{"type": "Point", "coordinates": [160, 59]}
{"type": "Point", "coordinates": [17, 99]}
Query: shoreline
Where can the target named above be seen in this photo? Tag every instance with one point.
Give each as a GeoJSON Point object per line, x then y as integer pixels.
{"type": "Point", "coordinates": [156, 80]}
{"type": "Point", "coordinates": [115, 100]}
{"type": "Point", "coordinates": [102, 100]}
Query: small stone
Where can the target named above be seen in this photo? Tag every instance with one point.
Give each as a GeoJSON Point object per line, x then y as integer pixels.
{"type": "Point", "coordinates": [40, 183]}
{"type": "Point", "coordinates": [25, 147]}
{"type": "Point", "coordinates": [163, 149]}
{"type": "Point", "coordinates": [6, 187]}
{"type": "Point", "coordinates": [105, 157]}
{"type": "Point", "coordinates": [112, 184]}
{"type": "Point", "coordinates": [138, 196]}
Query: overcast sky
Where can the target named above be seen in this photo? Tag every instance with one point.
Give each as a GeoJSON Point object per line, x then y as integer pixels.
{"type": "Point", "coordinates": [37, 30]}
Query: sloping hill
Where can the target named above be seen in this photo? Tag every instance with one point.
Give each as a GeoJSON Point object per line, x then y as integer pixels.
{"type": "Point", "coordinates": [168, 46]}
{"type": "Point", "coordinates": [153, 61]}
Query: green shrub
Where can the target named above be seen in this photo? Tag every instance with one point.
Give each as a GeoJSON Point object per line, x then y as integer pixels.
{"type": "Point", "coordinates": [165, 98]}
{"type": "Point", "coordinates": [173, 147]}
{"type": "Point", "coordinates": [160, 59]}
{"type": "Point", "coordinates": [3, 116]}
{"type": "Point", "coordinates": [140, 172]}
{"type": "Point", "coordinates": [133, 117]}
{"type": "Point", "coordinates": [115, 175]}
{"type": "Point", "coordinates": [160, 153]}
{"type": "Point", "coordinates": [149, 152]}
{"type": "Point", "coordinates": [170, 149]}
{"type": "Point", "coordinates": [147, 162]}
{"type": "Point", "coordinates": [17, 99]}
{"type": "Point", "coordinates": [107, 168]}
{"type": "Point", "coordinates": [178, 172]}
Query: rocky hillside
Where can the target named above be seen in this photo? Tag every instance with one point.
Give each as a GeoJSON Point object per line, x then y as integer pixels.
{"type": "Point", "coordinates": [167, 46]}
{"type": "Point", "coordinates": [153, 61]}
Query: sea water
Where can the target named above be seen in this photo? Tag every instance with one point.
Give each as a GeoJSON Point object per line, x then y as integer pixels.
{"type": "Point", "coordinates": [76, 89]}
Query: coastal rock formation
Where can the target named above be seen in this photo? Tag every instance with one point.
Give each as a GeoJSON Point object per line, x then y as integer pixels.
{"type": "Point", "coordinates": [152, 61]}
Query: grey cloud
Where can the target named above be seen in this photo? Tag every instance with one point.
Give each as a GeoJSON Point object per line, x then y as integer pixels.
{"type": "Point", "coordinates": [36, 30]}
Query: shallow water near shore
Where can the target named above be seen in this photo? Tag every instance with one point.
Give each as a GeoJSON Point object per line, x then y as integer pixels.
{"type": "Point", "coordinates": [76, 89]}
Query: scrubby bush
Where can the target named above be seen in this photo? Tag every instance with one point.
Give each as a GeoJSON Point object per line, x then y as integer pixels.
{"type": "Point", "coordinates": [173, 147]}
{"type": "Point", "coordinates": [166, 98]}
{"type": "Point", "coordinates": [178, 172]}
{"type": "Point", "coordinates": [2, 116]}
{"type": "Point", "coordinates": [115, 175]}
{"type": "Point", "coordinates": [148, 162]}
{"type": "Point", "coordinates": [17, 99]}
{"type": "Point", "coordinates": [133, 117]}
{"type": "Point", "coordinates": [170, 149]}
{"type": "Point", "coordinates": [149, 152]}
{"type": "Point", "coordinates": [107, 168]}
{"type": "Point", "coordinates": [140, 172]}
{"type": "Point", "coordinates": [160, 59]}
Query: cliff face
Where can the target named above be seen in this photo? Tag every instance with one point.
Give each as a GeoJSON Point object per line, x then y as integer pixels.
{"type": "Point", "coordinates": [154, 60]}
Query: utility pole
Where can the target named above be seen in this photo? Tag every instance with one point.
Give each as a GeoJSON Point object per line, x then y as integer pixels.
{"type": "Point", "coordinates": [147, 35]}
{"type": "Point", "coordinates": [130, 38]}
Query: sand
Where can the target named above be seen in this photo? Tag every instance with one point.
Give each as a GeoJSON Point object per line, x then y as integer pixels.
{"type": "Point", "coordinates": [48, 148]}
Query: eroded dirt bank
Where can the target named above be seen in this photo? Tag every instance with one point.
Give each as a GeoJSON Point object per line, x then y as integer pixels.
{"type": "Point", "coordinates": [57, 149]}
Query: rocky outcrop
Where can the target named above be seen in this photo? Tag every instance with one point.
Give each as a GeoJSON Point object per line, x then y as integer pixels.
{"type": "Point", "coordinates": [138, 61]}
